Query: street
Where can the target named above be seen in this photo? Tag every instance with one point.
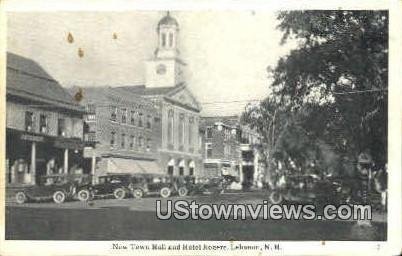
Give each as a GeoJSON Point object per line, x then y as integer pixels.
{"type": "Point", "coordinates": [135, 219]}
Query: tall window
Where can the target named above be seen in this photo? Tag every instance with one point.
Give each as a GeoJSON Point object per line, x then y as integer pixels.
{"type": "Point", "coordinates": [29, 121]}
{"type": "Point", "coordinates": [209, 133]}
{"type": "Point", "coordinates": [190, 131]}
{"type": "Point", "coordinates": [181, 129]}
{"type": "Point", "coordinates": [170, 39]}
{"type": "Point", "coordinates": [132, 119]}
{"type": "Point", "coordinates": [140, 121]}
{"type": "Point", "coordinates": [61, 127]}
{"type": "Point", "coordinates": [208, 149]}
{"type": "Point", "coordinates": [43, 123]}
{"type": "Point", "coordinates": [123, 115]}
{"type": "Point", "coordinates": [123, 140]}
{"type": "Point", "coordinates": [163, 39]}
{"type": "Point", "coordinates": [149, 121]}
{"type": "Point", "coordinates": [170, 126]}
{"type": "Point", "coordinates": [113, 113]}
{"type": "Point", "coordinates": [112, 139]}
{"type": "Point", "coordinates": [132, 142]}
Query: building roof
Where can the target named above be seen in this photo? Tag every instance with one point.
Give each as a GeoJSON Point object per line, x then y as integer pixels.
{"type": "Point", "coordinates": [153, 91]}
{"type": "Point", "coordinates": [27, 79]}
{"type": "Point", "coordinates": [168, 20]}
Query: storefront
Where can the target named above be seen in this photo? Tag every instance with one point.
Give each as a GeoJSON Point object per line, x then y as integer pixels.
{"type": "Point", "coordinates": [31, 156]}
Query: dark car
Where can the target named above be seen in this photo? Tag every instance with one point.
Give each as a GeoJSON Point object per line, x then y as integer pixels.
{"type": "Point", "coordinates": [208, 185]}
{"type": "Point", "coordinates": [306, 189]}
{"type": "Point", "coordinates": [115, 185]}
{"type": "Point", "coordinates": [58, 187]}
{"type": "Point", "coordinates": [148, 184]}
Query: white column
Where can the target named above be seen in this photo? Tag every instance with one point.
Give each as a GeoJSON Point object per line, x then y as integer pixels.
{"type": "Point", "coordinates": [33, 162]}
{"type": "Point", "coordinates": [65, 161]}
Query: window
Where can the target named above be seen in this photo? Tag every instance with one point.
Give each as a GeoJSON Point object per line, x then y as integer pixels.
{"type": "Point", "coordinates": [170, 39]}
{"type": "Point", "coordinates": [227, 150]}
{"type": "Point", "coordinates": [208, 149]}
{"type": "Point", "coordinates": [149, 141]}
{"type": "Point", "coordinates": [149, 122]}
{"type": "Point", "coordinates": [90, 112]}
{"type": "Point", "coordinates": [190, 131]}
{"type": "Point", "coordinates": [112, 139]}
{"type": "Point", "coordinates": [113, 113]}
{"type": "Point", "coordinates": [132, 142]}
{"type": "Point", "coordinates": [132, 120]}
{"type": "Point", "coordinates": [140, 141]}
{"type": "Point", "coordinates": [140, 121]}
{"type": "Point", "coordinates": [209, 133]}
{"type": "Point", "coordinates": [170, 126]}
{"type": "Point", "coordinates": [163, 39]}
{"type": "Point", "coordinates": [61, 127]}
{"type": "Point", "coordinates": [123, 115]}
{"type": "Point", "coordinates": [43, 123]}
{"type": "Point", "coordinates": [181, 129]}
{"type": "Point", "coordinates": [191, 171]}
{"type": "Point", "coordinates": [29, 121]}
{"type": "Point", "coordinates": [181, 170]}
{"type": "Point", "coordinates": [123, 140]}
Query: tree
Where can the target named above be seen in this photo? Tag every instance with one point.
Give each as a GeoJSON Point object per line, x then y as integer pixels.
{"type": "Point", "coordinates": [334, 84]}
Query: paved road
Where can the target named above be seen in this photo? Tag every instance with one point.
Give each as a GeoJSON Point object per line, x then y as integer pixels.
{"type": "Point", "coordinates": [132, 219]}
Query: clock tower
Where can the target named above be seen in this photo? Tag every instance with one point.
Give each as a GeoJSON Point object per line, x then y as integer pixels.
{"type": "Point", "coordinates": [165, 69]}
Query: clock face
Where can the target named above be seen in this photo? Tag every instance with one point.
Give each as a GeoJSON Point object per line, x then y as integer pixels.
{"type": "Point", "coordinates": [161, 69]}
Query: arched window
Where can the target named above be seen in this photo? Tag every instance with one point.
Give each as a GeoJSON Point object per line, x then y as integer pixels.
{"type": "Point", "coordinates": [170, 126]}
{"type": "Point", "coordinates": [163, 39]}
{"type": "Point", "coordinates": [170, 39]}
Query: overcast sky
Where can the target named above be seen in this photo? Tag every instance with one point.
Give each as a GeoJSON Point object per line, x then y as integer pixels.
{"type": "Point", "coordinates": [227, 52]}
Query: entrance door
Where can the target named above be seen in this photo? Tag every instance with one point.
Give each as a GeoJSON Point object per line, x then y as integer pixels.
{"type": "Point", "coordinates": [170, 170]}
{"type": "Point", "coordinates": [248, 176]}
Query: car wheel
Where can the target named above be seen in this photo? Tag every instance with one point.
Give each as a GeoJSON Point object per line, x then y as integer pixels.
{"type": "Point", "coordinates": [84, 195]}
{"type": "Point", "coordinates": [138, 193]}
{"type": "Point", "coordinates": [275, 197]}
{"type": "Point", "coordinates": [165, 192]}
{"type": "Point", "coordinates": [59, 197]}
{"type": "Point", "coordinates": [20, 197]}
{"type": "Point", "coordinates": [119, 193]}
{"type": "Point", "coordinates": [183, 191]}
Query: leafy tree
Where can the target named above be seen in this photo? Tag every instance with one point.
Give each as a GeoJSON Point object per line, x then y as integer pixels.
{"type": "Point", "coordinates": [334, 84]}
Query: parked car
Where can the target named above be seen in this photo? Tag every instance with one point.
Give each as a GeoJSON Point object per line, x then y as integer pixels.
{"type": "Point", "coordinates": [148, 184]}
{"type": "Point", "coordinates": [116, 185]}
{"type": "Point", "coordinates": [57, 187]}
{"type": "Point", "coordinates": [306, 189]}
{"type": "Point", "coordinates": [208, 185]}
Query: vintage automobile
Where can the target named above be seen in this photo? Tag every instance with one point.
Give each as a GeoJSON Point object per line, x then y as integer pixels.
{"type": "Point", "coordinates": [306, 189]}
{"type": "Point", "coordinates": [58, 187]}
{"type": "Point", "coordinates": [150, 184]}
{"type": "Point", "coordinates": [208, 185]}
{"type": "Point", "coordinates": [116, 185]}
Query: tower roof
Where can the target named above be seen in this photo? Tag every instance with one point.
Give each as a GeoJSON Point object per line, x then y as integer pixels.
{"type": "Point", "coordinates": [168, 20]}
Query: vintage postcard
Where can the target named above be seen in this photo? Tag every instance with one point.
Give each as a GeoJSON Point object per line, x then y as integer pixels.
{"type": "Point", "coordinates": [200, 128]}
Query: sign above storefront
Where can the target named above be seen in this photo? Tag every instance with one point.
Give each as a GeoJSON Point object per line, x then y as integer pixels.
{"type": "Point", "coordinates": [69, 143]}
{"type": "Point", "coordinates": [32, 138]}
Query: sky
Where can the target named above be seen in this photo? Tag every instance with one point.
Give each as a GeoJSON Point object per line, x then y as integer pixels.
{"type": "Point", "coordinates": [227, 52]}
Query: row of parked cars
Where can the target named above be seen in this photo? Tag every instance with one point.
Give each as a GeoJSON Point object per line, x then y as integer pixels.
{"type": "Point", "coordinates": [60, 188]}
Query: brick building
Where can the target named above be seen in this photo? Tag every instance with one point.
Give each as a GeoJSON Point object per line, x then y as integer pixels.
{"type": "Point", "coordinates": [124, 129]}
{"type": "Point", "coordinates": [221, 155]}
{"type": "Point", "coordinates": [229, 148]}
{"type": "Point", "coordinates": [44, 125]}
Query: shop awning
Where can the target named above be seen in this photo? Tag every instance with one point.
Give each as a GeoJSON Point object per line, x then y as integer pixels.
{"type": "Point", "coordinates": [120, 165]}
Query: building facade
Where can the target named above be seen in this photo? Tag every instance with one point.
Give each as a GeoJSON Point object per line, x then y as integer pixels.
{"type": "Point", "coordinates": [44, 125]}
{"type": "Point", "coordinates": [221, 155]}
{"type": "Point", "coordinates": [230, 148]}
{"type": "Point", "coordinates": [124, 130]}
{"type": "Point", "coordinates": [165, 86]}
